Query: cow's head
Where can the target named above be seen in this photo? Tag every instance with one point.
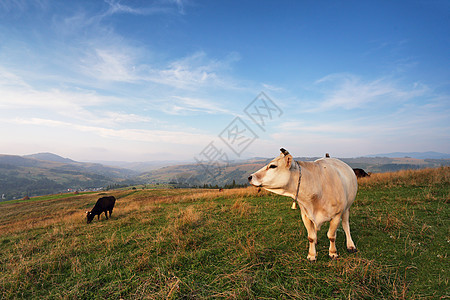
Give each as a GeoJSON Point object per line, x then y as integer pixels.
{"type": "Point", "coordinates": [276, 175]}
{"type": "Point", "coordinates": [89, 216]}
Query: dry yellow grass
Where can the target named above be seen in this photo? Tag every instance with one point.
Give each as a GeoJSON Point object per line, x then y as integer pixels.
{"type": "Point", "coordinates": [424, 177]}
{"type": "Point", "coordinates": [242, 208]}
{"type": "Point", "coordinates": [189, 217]}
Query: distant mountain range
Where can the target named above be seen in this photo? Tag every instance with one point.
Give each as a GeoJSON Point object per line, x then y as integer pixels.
{"type": "Point", "coordinates": [141, 167]}
{"type": "Point", "coordinates": [48, 173]}
{"type": "Point", "coordinates": [418, 155]}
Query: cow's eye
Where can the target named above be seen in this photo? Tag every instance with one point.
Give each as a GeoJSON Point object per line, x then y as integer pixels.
{"type": "Point", "coordinates": [272, 166]}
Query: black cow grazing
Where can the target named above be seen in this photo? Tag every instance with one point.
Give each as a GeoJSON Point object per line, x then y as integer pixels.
{"type": "Point", "coordinates": [104, 204]}
{"type": "Point", "coordinates": [360, 173]}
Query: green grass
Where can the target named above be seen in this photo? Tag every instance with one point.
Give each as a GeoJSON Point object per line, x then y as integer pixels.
{"type": "Point", "coordinates": [236, 244]}
{"type": "Point", "coordinates": [47, 197]}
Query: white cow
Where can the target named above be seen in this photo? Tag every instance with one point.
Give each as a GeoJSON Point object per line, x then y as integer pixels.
{"type": "Point", "coordinates": [324, 189]}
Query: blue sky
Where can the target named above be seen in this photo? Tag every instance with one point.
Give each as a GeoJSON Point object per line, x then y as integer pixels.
{"type": "Point", "coordinates": [166, 80]}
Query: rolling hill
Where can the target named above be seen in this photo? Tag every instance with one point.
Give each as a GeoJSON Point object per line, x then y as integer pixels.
{"type": "Point", "coordinates": [46, 156]}
{"type": "Point", "coordinates": [47, 173]}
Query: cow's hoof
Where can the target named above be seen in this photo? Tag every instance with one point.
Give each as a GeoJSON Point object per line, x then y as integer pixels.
{"type": "Point", "coordinates": [311, 258]}
{"type": "Point", "coordinates": [333, 256]}
{"type": "Point", "coordinates": [352, 250]}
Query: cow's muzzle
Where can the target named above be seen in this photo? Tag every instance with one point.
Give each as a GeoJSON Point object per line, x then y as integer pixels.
{"type": "Point", "coordinates": [250, 180]}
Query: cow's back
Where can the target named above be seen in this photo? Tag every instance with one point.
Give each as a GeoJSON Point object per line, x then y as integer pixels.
{"type": "Point", "coordinates": [341, 176]}
{"type": "Point", "coordinates": [105, 203]}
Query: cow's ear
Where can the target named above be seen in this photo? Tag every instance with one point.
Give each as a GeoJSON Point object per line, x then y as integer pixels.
{"type": "Point", "coordinates": [288, 160]}
{"type": "Point", "coordinates": [284, 151]}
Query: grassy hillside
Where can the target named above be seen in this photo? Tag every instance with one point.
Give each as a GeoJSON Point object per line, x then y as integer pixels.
{"type": "Point", "coordinates": [241, 244]}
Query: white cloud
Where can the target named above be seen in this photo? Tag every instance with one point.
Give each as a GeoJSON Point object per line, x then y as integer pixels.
{"type": "Point", "coordinates": [21, 5]}
{"type": "Point", "coordinates": [273, 88]}
{"type": "Point", "coordinates": [117, 7]}
{"type": "Point", "coordinates": [114, 60]}
{"type": "Point", "coordinates": [181, 105]}
{"type": "Point", "coordinates": [350, 91]}
{"type": "Point", "coordinates": [22, 96]}
{"type": "Point", "coordinates": [84, 106]}
{"type": "Point", "coordinates": [112, 63]}
{"type": "Point", "coordinates": [193, 72]}
{"type": "Point", "coordinates": [85, 50]}
{"type": "Point", "coordinates": [329, 128]}
{"type": "Point", "coordinates": [139, 135]}
{"type": "Point", "coordinates": [156, 7]}
{"type": "Point", "coordinates": [9, 80]}
{"type": "Point", "coordinates": [405, 127]}
{"type": "Point", "coordinates": [124, 118]}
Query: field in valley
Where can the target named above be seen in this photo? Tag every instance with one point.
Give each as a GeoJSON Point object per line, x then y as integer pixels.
{"type": "Point", "coordinates": [239, 244]}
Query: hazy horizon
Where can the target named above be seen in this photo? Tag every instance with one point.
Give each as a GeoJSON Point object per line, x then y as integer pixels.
{"type": "Point", "coordinates": [193, 161]}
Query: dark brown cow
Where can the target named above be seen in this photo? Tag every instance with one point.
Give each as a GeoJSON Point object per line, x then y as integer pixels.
{"type": "Point", "coordinates": [104, 204]}
{"type": "Point", "coordinates": [360, 173]}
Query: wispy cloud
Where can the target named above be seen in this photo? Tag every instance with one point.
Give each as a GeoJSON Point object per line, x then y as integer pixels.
{"type": "Point", "coordinates": [88, 48]}
{"type": "Point", "coordinates": [353, 128]}
{"type": "Point", "coordinates": [394, 127]}
{"type": "Point", "coordinates": [117, 7]}
{"type": "Point", "coordinates": [194, 71]}
{"type": "Point", "coordinates": [156, 7]}
{"type": "Point", "coordinates": [21, 5]}
{"type": "Point", "coordinates": [138, 135]}
{"type": "Point", "coordinates": [115, 60]}
{"type": "Point", "coordinates": [272, 88]}
{"type": "Point", "coordinates": [23, 96]}
{"type": "Point", "coordinates": [123, 118]}
{"type": "Point", "coordinates": [9, 80]}
{"type": "Point", "coordinates": [350, 91]}
{"type": "Point", "coordinates": [95, 49]}
{"type": "Point", "coordinates": [114, 63]}
{"type": "Point", "coordinates": [179, 105]}
{"type": "Point", "coordinates": [86, 106]}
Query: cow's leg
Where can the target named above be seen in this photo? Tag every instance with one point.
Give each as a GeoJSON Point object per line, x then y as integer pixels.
{"type": "Point", "coordinates": [346, 225]}
{"type": "Point", "coordinates": [334, 223]}
{"type": "Point", "coordinates": [106, 214]}
{"type": "Point", "coordinates": [312, 237]}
